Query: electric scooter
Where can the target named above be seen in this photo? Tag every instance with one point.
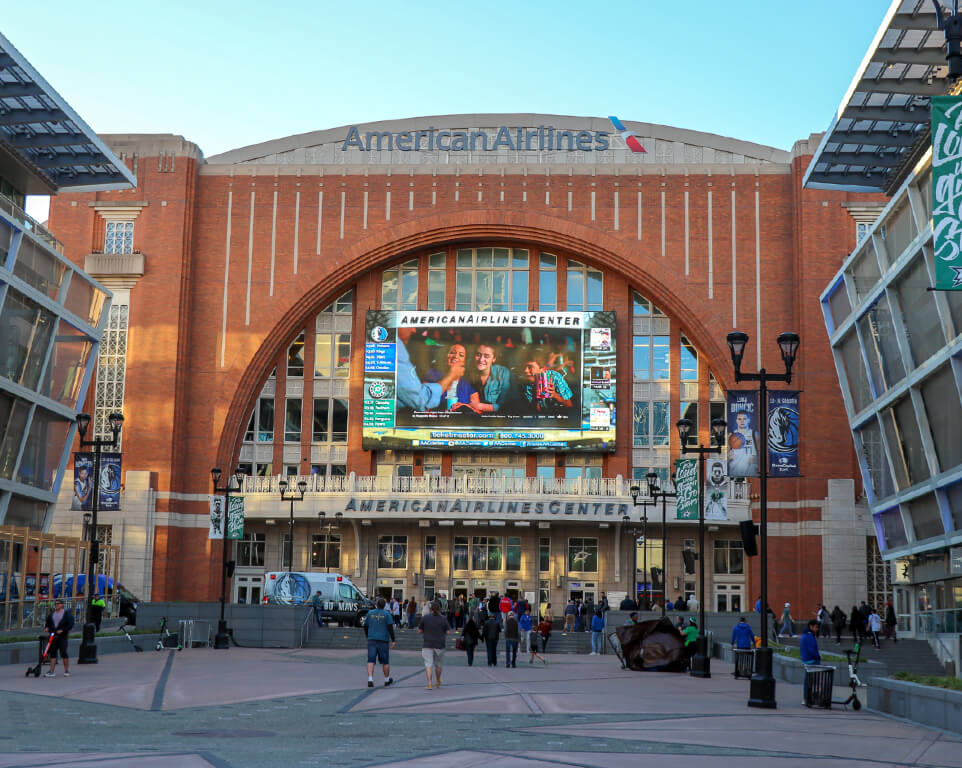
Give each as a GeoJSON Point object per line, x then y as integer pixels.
{"type": "Point", "coordinates": [853, 682]}
{"type": "Point", "coordinates": [35, 671]}
{"type": "Point", "coordinates": [167, 640]}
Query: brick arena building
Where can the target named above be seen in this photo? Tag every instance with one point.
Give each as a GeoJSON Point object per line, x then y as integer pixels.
{"type": "Point", "coordinates": [238, 330]}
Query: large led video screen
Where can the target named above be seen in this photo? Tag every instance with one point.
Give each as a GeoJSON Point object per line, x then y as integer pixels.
{"type": "Point", "coordinates": [514, 381]}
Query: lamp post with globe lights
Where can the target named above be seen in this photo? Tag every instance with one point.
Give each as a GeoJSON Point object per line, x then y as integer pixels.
{"type": "Point", "coordinates": [762, 687]}
{"type": "Point", "coordinates": [234, 484]}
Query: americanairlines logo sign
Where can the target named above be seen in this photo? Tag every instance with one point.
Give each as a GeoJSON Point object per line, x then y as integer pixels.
{"type": "Point", "coordinates": [544, 138]}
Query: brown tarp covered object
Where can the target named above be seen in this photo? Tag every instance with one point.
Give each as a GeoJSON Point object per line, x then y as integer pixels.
{"type": "Point", "coordinates": [653, 646]}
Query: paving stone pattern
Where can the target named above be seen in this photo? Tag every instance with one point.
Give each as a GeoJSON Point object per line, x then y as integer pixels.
{"type": "Point", "coordinates": [267, 707]}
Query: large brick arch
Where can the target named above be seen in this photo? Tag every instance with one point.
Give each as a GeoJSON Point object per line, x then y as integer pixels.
{"type": "Point", "coordinates": [610, 253]}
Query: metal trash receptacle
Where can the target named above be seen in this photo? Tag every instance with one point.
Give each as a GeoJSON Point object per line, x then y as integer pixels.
{"type": "Point", "coordinates": [818, 686]}
{"type": "Point", "coordinates": [744, 659]}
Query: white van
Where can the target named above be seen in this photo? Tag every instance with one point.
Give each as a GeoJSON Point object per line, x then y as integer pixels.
{"type": "Point", "coordinates": [342, 601]}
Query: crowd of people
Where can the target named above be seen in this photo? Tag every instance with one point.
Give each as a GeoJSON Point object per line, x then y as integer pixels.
{"type": "Point", "coordinates": [863, 622]}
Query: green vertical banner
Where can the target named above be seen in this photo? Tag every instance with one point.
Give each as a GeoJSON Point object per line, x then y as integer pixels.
{"type": "Point", "coordinates": [686, 486]}
{"type": "Point", "coordinates": [235, 518]}
{"type": "Point", "coordinates": [947, 191]}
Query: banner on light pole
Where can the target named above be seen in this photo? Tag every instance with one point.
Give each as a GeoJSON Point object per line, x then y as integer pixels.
{"type": "Point", "coordinates": [235, 518]}
{"type": "Point", "coordinates": [686, 486]}
{"type": "Point", "coordinates": [217, 517]}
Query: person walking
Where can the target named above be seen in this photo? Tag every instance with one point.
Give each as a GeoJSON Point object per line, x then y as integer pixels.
{"type": "Point", "coordinates": [491, 632]}
{"type": "Point", "coordinates": [379, 630]}
{"type": "Point", "coordinates": [493, 609]}
{"type": "Point", "coordinates": [891, 622]}
{"type": "Point", "coordinates": [512, 637]}
{"type": "Point", "coordinates": [627, 604]}
{"type": "Point", "coordinates": [855, 624]}
{"type": "Point", "coordinates": [470, 637]}
{"type": "Point", "coordinates": [547, 615]}
{"type": "Point", "coordinates": [544, 632]}
{"type": "Point", "coordinates": [692, 604]}
{"type": "Point", "coordinates": [742, 635]}
{"type": "Point", "coordinates": [838, 623]}
{"type": "Point", "coordinates": [97, 607]}
{"type": "Point", "coordinates": [412, 613]}
{"type": "Point", "coordinates": [473, 607]}
{"type": "Point", "coordinates": [526, 623]}
{"type": "Point", "coordinates": [434, 627]}
{"type": "Point", "coordinates": [874, 627]}
{"type": "Point", "coordinates": [824, 622]}
{"type": "Point", "coordinates": [59, 623]}
{"type": "Point", "coordinates": [425, 606]}
{"type": "Point", "coordinates": [317, 602]}
{"type": "Point", "coordinates": [597, 631]}
{"type": "Point", "coordinates": [787, 628]}
{"type": "Point", "coordinates": [579, 616]}
{"type": "Point", "coordinates": [570, 611]}
{"type": "Point", "coordinates": [396, 611]}
{"type": "Point", "coordinates": [505, 607]}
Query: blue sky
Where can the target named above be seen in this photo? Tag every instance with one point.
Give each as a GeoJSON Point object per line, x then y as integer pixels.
{"type": "Point", "coordinates": [229, 74]}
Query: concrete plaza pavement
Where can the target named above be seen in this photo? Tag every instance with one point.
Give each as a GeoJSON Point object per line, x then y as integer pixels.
{"type": "Point", "coordinates": [265, 707]}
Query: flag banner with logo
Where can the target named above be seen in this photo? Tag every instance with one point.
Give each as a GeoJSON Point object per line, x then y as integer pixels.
{"type": "Point", "coordinates": [742, 433]}
{"type": "Point", "coordinates": [716, 489]}
{"type": "Point", "coordinates": [217, 517]}
{"type": "Point", "coordinates": [783, 420]}
{"type": "Point", "coordinates": [235, 518]}
{"type": "Point", "coordinates": [947, 191]}
{"type": "Point", "coordinates": [108, 497]}
{"type": "Point", "coordinates": [686, 486]}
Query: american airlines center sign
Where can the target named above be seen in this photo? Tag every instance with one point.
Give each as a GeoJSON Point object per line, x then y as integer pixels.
{"type": "Point", "coordinates": [540, 139]}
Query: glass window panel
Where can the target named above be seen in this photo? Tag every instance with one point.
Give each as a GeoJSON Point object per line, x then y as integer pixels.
{"type": "Point", "coordinates": [954, 496]}
{"type": "Point", "coordinates": [689, 361]}
{"type": "Point", "coordinates": [437, 260]}
{"type": "Point", "coordinates": [265, 420]}
{"type": "Point", "coordinates": [295, 358]}
{"type": "Point", "coordinates": [85, 300]}
{"type": "Point", "coordinates": [292, 421]}
{"type": "Point", "coordinates": [544, 554]}
{"type": "Point", "coordinates": [576, 289]}
{"type": "Point", "coordinates": [548, 261]}
{"type": "Point", "coordinates": [878, 336]}
{"type": "Point", "coordinates": [911, 440]}
{"type": "Point", "coordinates": [873, 451]}
{"type": "Point", "coordinates": [392, 552]}
{"type": "Point", "coordinates": [342, 355]}
{"type": "Point", "coordinates": [898, 231]}
{"type": "Point", "coordinates": [865, 271]}
{"type": "Point", "coordinates": [500, 257]}
{"type": "Point", "coordinates": [660, 423]}
{"type": "Point", "coordinates": [925, 517]}
{"type": "Point", "coordinates": [43, 450]}
{"type": "Point", "coordinates": [547, 287]}
{"type": "Point", "coordinates": [896, 452]}
{"type": "Point", "coordinates": [26, 513]}
{"type": "Point", "coordinates": [460, 553]}
{"type": "Point", "coordinates": [389, 288]}
{"type": "Point", "coordinates": [483, 290]}
{"type": "Point", "coordinates": [484, 257]}
{"type": "Point", "coordinates": [941, 397]}
{"type": "Point", "coordinates": [343, 304]}
{"type": "Point", "coordinates": [839, 304]}
{"type": "Point", "coordinates": [26, 331]}
{"type": "Point", "coordinates": [640, 425]}
{"type": "Point", "coordinates": [512, 561]}
{"type": "Point", "coordinates": [641, 357]}
{"type": "Point", "coordinates": [855, 371]}
{"type": "Point", "coordinates": [954, 300]}
{"type": "Point", "coordinates": [249, 432]}
{"type": "Point", "coordinates": [499, 292]}
{"type": "Point", "coordinates": [409, 289]}
{"type": "Point", "coordinates": [13, 421]}
{"type": "Point", "coordinates": [436, 289]}
{"type": "Point", "coordinates": [690, 411]}
{"type": "Point", "coordinates": [721, 557]}
{"type": "Point", "coordinates": [583, 555]}
{"type": "Point", "coordinates": [465, 258]}
{"type": "Point", "coordinates": [38, 267]}
{"type": "Point", "coordinates": [925, 192]}
{"type": "Point", "coordinates": [660, 358]}
{"type": "Point", "coordinates": [320, 427]}
{"type": "Point", "coordinates": [640, 306]}
{"type": "Point", "coordinates": [338, 420]}
{"type": "Point", "coordinates": [322, 355]}
{"type": "Point", "coordinates": [430, 553]}
{"type": "Point", "coordinates": [519, 291]}
{"type": "Point", "coordinates": [596, 291]}
{"type": "Point", "coordinates": [520, 258]}
{"type": "Point", "coordinates": [326, 550]}
{"type": "Point", "coordinates": [68, 362]}
{"type": "Point", "coordinates": [893, 531]}
{"type": "Point", "coordinates": [464, 286]}
{"type": "Point", "coordinates": [921, 318]}
{"type": "Point", "coordinates": [716, 411]}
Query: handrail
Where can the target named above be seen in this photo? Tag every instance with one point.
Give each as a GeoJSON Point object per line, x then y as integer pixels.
{"type": "Point", "coordinates": [305, 626]}
{"type": "Point", "coordinates": [29, 223]}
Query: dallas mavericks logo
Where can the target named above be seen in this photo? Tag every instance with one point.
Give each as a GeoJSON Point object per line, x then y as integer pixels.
{"type": "Point", "coordinates": [783, 429]}
{"type": "Point", "coordinates": [379, 333]}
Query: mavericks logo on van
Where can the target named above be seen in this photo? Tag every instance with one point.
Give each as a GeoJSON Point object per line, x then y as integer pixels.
{"type": "Point", "coordinates": [291, 589]}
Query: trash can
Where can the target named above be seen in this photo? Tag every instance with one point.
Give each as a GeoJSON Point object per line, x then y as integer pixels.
{"type": "Point", "coordinates": [818, 686]}
{"type": "Point", "coordinates": [744, 662]}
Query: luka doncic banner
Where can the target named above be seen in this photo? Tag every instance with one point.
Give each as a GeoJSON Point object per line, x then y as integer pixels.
{"type": "Point", "coordinates": [946, 200]}
{"type": "Point", "coordinates": [108, 498]}
{"type": "Point", "coordinates": [783, 411]}
{"type": "Point", "coordinates": [742, 433]}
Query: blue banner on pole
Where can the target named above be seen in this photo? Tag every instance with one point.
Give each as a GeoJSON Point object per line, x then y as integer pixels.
{"type": "Point", "coordinates": [783, 420]}
{"type": "Point", "coordinates": [743, 433]}
{"type": "Point", "coordinates": [83, 481]}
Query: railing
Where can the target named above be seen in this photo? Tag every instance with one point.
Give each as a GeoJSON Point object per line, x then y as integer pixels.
{"type": "Point", "coordinates": [609, 487]}
{"type": "Point", "coordinates": [29, 223]}
{"type": "Point", "coordinates": [306, 626]}
{"type": "Point", "coordinates": [935, 622]}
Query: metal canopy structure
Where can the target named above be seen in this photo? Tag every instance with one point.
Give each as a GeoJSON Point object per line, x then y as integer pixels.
{"type": "Point", "coordinates": [55, 149]}
{"type": "Point", "coordinates": [884, 115]}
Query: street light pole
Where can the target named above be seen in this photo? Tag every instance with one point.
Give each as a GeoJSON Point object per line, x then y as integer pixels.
{"type": "Point", "coordinates": [293, 496]}
{"type": "Point", "coordinates": [234, 483]}
{"type": "Point", "coordinates": [116, 422]}
{"type": "Point", "coordinates": [762, 687]}
{"type": "Point", "coordinates": [656, 493]}
{"type": "Point", "coordinates": [701, 660]}
{"type": "Point", "coordinates": [644, 503]}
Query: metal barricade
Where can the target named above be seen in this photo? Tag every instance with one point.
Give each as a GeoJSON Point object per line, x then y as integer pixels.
{"type": "Point", "coordinates": [744, 659]}
{"type": "Point", "coordinates": [818, 686]}
{"type": "Point", "coordinates": [195, 633]}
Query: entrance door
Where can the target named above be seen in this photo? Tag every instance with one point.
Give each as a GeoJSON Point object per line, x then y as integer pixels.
{"type": "Point", "coordinates": [248, 589]}
{"type": "Point", "coordinates": [460, 590]}
{"type": "Point", "coordinates": [513, 590]}
{"type": "Point", "coordinates": [729, 598]}
{"type": "Point", "coordinates": [384, 592]}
